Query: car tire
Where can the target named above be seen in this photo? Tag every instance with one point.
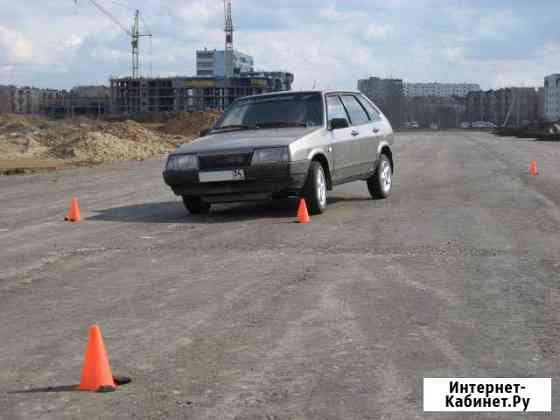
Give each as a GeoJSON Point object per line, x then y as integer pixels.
{"type": "Point", "coordinates": [315, 189]}
{"type": "Point", "coordinates": [381, 182]}
{"type": "Point", "coordinates": [195, 205]}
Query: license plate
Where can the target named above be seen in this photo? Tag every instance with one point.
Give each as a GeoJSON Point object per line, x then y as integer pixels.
{"type": "Point", "coordinates": [220, 176]}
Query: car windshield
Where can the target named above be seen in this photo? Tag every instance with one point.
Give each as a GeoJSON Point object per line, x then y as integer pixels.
{"type": "Point", "coordinates": [286, 110]}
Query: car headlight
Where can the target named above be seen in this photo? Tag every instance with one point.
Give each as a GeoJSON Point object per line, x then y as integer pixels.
{"type": "Point", "coordinates": [182, 162]}
{"type": "Point", "coordinates": [271, 155]}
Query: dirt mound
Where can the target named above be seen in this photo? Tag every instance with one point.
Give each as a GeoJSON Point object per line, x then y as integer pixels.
{"type": "Point", "coordinates": [80, 140]}
{"type": "Point", "coordinates": [190, 124]}
{"type": "Point", "coordinates": [109, 143]}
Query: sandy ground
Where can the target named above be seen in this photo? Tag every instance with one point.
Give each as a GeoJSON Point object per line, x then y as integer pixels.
{"type": "Point", "coordinates": [243, 314]}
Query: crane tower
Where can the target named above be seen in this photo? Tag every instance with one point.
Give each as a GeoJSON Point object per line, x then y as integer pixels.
{"type": "Point", "coordinates": [134, 34]}
{"type": "Point", "coordinates": [229, 38]}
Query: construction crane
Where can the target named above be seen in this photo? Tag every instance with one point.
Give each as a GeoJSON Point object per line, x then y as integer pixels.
{"type": "Point", "coordinates": [229, 25]}
{"type": "Point", "coordinates": [134, 34]}
{"type": "Point", "coordinates": [229, 38]}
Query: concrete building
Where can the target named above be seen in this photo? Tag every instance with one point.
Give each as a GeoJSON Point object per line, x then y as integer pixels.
{"type": "Point", "coordinates": [540, 104]}
{"type": "Point", "coordinates": [92, 101]}
{"type": "Point", "coordinates": [211, 88]}
{"type": "Point", "coordinates": [388, 94]}
{"type": "Point", "coordinates": [180, 94]}
{"type": "Point", "coordinates": [510, 106]}
{"type": "Point", "coordinates": [7, 97]}
{"type": "Point", "coordinates": [52, 102]}
{"type": "Point", "coordinates": [27, 100]}
{"type": "Point", "coordinates": [412, 90]}
{"type": "Point", "coordinates": [435, 111]}
{"type": "Point", "coordinates": [212, 63]}
{"type": "Point", "coordinates": [277, 81]}
{"type": "Point", "coordinates": [552, 97]}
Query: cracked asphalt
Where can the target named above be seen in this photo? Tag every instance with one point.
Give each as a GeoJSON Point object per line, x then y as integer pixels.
{"type": "Point", "coordinates": [244, 314]}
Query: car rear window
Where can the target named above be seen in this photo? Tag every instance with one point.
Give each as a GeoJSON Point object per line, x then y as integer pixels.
{"type": "Point", "coordinates": [370, 109]}
{"type": "Point", "coordinates": [357, 113]}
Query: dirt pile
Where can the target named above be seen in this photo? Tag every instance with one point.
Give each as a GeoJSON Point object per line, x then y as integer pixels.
{"type": "Point", "coordinates": [107, 142]}
{"type": "Point", "coordinates": [190, 124]}
{"type": "Point", "coordinates": [19, 136]}
{"type": "Point", "coordinates": [36, 141]}
{"type": "Point", "coordinates": [86, 141]}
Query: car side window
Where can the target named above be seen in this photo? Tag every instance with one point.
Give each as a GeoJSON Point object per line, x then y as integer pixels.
{"type": "Point", "coordinates": [358, 115]}
{"type": "Point", "coordinates": [370, 109]}
{"type": "Point", "coordinates": [335, 109]}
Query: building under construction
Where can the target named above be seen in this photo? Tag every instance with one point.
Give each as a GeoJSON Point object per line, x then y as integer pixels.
{"type": "Point", "coordinates": [221, 77]}
{"type": "Point", "coordinates": [179, 94]}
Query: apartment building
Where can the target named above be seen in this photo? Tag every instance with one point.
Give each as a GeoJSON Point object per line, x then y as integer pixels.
{"type": "Point", "coordinates": [212, 63]}
{"type": "Point", "coordinates": [413, 90]}
{"type": "Point", "coordinates": [510, 106]}
{"type": "Point", "coordinates": [7, 95]}
{"type": "Point", "coordinates": [552, 97]}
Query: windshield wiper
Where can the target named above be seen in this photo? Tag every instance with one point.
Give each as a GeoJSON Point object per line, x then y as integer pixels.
{"type": "Point", "coordinates": [237, 127]}
{"type": "Point", "coordinates": [273, 124]}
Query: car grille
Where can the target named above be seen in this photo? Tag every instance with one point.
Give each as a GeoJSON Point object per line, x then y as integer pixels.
{"type": "Point", "coordinates": [237, 160]}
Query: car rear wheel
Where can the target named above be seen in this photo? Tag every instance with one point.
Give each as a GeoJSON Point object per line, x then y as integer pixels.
{"type": "Point", "coordinates": [381, 182]}
{"type": "Point", "coordinates": [315, 189]}
{"type": "Point", "coordinates": [195, 205]}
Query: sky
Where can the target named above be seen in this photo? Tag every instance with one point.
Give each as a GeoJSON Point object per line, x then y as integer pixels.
{"type": "Point", "coordinates": [327, 44]}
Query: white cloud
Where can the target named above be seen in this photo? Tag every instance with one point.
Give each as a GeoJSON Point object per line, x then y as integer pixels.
{"type": "Point", "coordinates": [15, 46]}
{"type": "Point", "coordinates": [378, 31]}
{"type": "Point", "coordinates": [327, 42]}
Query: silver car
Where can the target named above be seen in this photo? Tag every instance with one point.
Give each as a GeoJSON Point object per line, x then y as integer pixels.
{"type": "Point", "coordinates": [289, 144]}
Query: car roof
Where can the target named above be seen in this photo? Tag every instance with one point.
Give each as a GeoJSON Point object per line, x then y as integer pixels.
{"type": "Point", "coordinates": [291, 92]}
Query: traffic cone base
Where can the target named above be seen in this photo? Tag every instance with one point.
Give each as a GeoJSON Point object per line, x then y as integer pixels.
{"type": "Point", "coordinates": [96, 371]}
{"type": "Point", "coordinates": [533, 169]}
{"type": "Point", "coordinates": [74, 212]}
{"type": "Point", "coordinates": [302, 214]}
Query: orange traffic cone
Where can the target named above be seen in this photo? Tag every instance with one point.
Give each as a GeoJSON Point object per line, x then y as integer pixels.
{"type": "Point", "coordinates": [74, 212]}
{"type": "Point", "coordinates": [302, 214]}
{"type": "Point", "coordinates": [96, 372]}
{"type": "Point", "coordinates": [533, 169]}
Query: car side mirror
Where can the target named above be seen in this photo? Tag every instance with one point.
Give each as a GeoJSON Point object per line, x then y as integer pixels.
{"type": "Point", "coordinates": [204, 132]}
{"type": "Point", "coordinates": [337, 123]}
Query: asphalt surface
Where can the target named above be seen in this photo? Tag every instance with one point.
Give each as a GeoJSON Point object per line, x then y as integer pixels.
{"type": "Point", "coordinates": [244, 314]}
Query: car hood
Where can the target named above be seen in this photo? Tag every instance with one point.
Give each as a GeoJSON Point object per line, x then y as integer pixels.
{"type": "Point", "coordinates": [245, 139]}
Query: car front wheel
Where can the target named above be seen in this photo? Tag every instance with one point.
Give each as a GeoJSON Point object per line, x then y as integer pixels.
{"type": "Point", "coordinates": [315, 189]}
{"type": "Point", "coordinates": [195, 205]}
{"type": "Point", "coordinates": [381, 182]}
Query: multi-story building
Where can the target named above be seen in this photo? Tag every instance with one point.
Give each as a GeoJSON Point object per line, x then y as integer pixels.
{"type": "Point", "coordinates": [7, 96]}
{"type": "Point", "coordinates": [388, 94]}
{"type": "Point", "coordinates": [27, 100]}
{"type": "Point", "coordinates": [80, 100]}
{"type": "Point", "coordinates": [552, 97]}
{"type": "Point", "coordinates": [412, 90]}
{"type": "Point", "coordinates": [510, 106]}
{"type": "Point", "coordinates": [214, 87]}
{"type": "Point", "coordinates": [277, 80]}
{"type": "Point", "coordinates": [52, 102]}
{"type": "Point", "coordinates": [179, 94]}
{"type": "Point", "coordinates": [430, 111]}
{"type": "Point", "coordinates": [540, 104]}
{"type": "Point", "coordinates": [212, 63]}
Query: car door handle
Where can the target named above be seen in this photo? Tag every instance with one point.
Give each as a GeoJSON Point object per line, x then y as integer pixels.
{"type": "Point", "coordinates": [375, 130]}
{"type": "Point", "coordinates": [354, 132]}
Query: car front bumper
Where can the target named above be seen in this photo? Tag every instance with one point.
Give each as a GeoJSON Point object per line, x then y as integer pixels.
{"type": "Point", "coordinates": [261, 182]}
